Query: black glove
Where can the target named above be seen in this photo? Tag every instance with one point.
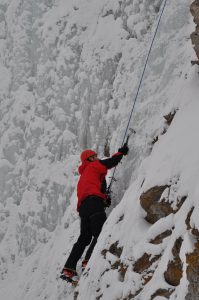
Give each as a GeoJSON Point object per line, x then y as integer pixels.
{"type": "Point", "coordinates": [124, 150]}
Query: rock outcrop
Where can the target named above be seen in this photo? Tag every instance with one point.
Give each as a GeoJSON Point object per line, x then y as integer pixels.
{"type": "Point", "coordinates": [195, 35]}
{"type": "Point", "coordinates": [156, 206]}
{"type": "Point", "coordinates": [173, 274]}
{"type": "Point", "coordinates": [167, 122]}
{"type": "Point", "coordinates": [192, 260]}
{"type": "Point", "coordinates": [193, 273]}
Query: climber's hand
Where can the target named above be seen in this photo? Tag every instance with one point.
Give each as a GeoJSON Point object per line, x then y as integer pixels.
{"type": "Point", "coordinates": [124, 150]}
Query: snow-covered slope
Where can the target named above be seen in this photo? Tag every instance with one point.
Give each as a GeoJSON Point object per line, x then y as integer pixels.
{"type": "Point", "coordinates": [69, 74]}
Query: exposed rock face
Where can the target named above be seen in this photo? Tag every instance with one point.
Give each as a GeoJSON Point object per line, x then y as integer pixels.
{"type": "Point", "coordinates": [158, 204]}
{"type": "Point", "coordinates": [195, 35]}
{"type": "Point", "coordinates": [192, 260]}
{"type": "Point", "coordinates": [187, 221]}
{"type": "Point", "coordinates": [169, 117]}
{"type": "Point", "coordinates": [193, 230]}
{"type": "Point", "coordinates": [156, 208]}
{"type": "Point", "coordinates": [162, 293]}
{"type": "Point", "coordinates": [150, 203]}
{"type": "Point", "coordinates": [144, 262]}
{"type": "Point", "coordinates": [193, 273]}
{"type": "Point", "coordinates": [113, 249]}
{"type": "Point", "coordinates": [159, 238]}
{"type": "Point", "coordinates": [173, 274]}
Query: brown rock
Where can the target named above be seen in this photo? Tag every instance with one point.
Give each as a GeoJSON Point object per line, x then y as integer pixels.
{"type": "Point", "coordinates": [174, 271]}
{"type": "Point", "coordinates": [187, 221]}
{"type": "Point", "coordinates": [142, 266]}
{"type": "Point", "coordinates": [180, 201]}
{"type": "Point", "coordinates": [152, 195]}
{"type": "Point", "coordinates": [192, 260]}
{"type": "Point", "coordinates": [194, 231]}
{"type": "Point", "coordinates": [113, 249]}
{"type": "Point", "coordinates": [150, 203]}
{"type": "Point", "coordinates": [118, 265]}
{"type": "Point", "coordinates": [120, 219]}
{"type": "Point", "coordinates": [169, 117]}
{"type": "Point", "coordinates": [195, 42]}
{"type": "Point", "coordinates": [76, 295]}
{"type": "Point", "coordinates": [156, 138]}
{"type": "Point", "coordinates": [144, 262]}
{"type": "Point", "coordinates": [147, 278]}
{"type": "Point", "coordinates": [132, 296]}
{"type": "Point", "coordinates": [103, 253]}
{"type": "Point", "coordinates": [159, 238]}
{"type": "Point", "coordinates": [194, 8]}
{"type": "Point", "coordinates": [163, 293]}
{"type": "Point", "coordinates": [195, 62]}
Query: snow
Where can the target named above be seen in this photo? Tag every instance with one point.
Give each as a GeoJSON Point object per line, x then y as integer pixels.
{"type": "Point", "coordinates": [69, 74]}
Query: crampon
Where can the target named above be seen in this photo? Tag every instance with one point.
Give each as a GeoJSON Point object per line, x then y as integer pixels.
{"type": "Point", "coordinates": [70, 276]}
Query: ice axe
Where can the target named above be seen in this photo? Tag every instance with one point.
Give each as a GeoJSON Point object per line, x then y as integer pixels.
{"type": "Point", "coordinates": [131, 131]}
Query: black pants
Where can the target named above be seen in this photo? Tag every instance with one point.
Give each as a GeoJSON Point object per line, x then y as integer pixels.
{"type": "Point", "coordinates": [92, 216]}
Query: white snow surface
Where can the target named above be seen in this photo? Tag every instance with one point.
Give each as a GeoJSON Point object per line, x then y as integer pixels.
{"type": "Point", "coordinates": [69, 75]}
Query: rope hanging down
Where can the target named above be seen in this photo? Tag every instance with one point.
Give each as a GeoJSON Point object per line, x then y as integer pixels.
{"type": "Point", "coordinates": [139, 86]}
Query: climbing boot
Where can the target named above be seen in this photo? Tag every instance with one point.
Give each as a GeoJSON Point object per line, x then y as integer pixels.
{"type": "Point", "coordinates": [69, 275]}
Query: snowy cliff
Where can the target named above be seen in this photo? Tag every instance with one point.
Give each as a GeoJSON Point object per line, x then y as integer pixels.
{"type": "Point", "coordinates": [69, 74]}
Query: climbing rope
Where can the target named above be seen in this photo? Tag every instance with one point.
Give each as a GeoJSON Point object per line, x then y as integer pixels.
{"type": "Point", "coordinates": [139, 86]}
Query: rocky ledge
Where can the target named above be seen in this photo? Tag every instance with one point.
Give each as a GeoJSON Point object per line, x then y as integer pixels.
{"type": "Point", "coordinates": [195, 35]}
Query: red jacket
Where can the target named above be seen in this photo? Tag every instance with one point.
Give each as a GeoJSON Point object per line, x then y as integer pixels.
{"type": "Point", "coordinates": [90, 182]}
{"type": "Point", "coordinates": [92, 177]}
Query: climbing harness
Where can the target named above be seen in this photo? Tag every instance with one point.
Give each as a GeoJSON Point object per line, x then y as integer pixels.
{"type": "Point", "coordinates": [137, 93]}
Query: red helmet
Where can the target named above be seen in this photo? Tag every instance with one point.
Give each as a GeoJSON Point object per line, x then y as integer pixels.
{"type": "Point", "coordinates": [86, 154]}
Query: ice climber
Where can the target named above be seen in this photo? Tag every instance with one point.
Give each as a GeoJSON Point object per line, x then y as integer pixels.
{"type": "Point", "coordinates": [92, 200]}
